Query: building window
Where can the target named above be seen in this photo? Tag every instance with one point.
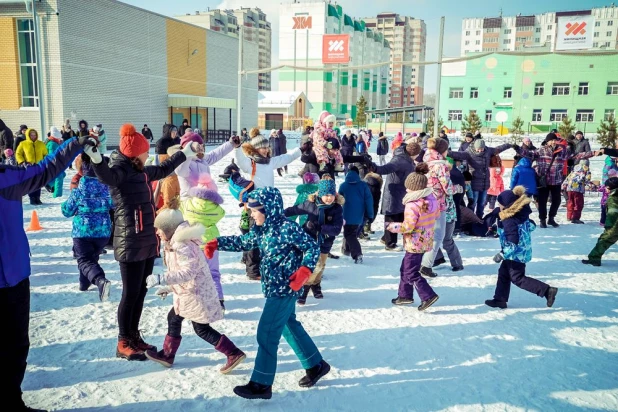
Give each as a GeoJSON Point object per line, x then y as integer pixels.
{"type": "Point", "coordinates": [478, 42]}
{"type": "Point", "coordinates": [506, 41]}
{"type": "Point", "coordinates": [488, 115]}
{"type": "Point", "coordinates": [596, 34]}
{"type": "Point", "coordinates": [474, 93]}
{"type": "Point", "coordinates": [539, 89]}
{"type": "Point", "coordinates": [560, 89]}
{"type": "Point", "coordinates": [549, 37]}
{"type": "Point", "coordinates": [549, 27]}
{"type": "Point", "coordinates": [467, 42]}
{"type": "Point", "coordinates": [538, 30]}
{"type": "Point", "coordinates": [537, 115]}
{"type": "Point", "coordinates": [610, 23]}
{"type": "Point", "coordinates": [607, 44]}
{"type": "Point", "coordinates": [612, 88]}
{"type": "Point", "coordinates": [508, 92]}
{"type": "Point", "coordinates": [583, 89]}
{"type": "Point", "coordinates": [609, 113]}
{"type": "Point", "coordinates": [595, 44]}
{"type": "Point", "coordinates": [584, 116]}
{"type": "Point", "coordinates": [537, 40]}
{"type": "Point", "coordinates": [456, 93]}
{"type": "Point", "coordinates": [467, 33]}
{"type": "Point", "coordinates": [556, 115]}
{"type": "Point", "coordinates": [507, 31]}
{"type": "Point", "coordinates": [478, 32]}
{"type": "Point", "coordinates": [27, 63]}
{"type": "Point", "coordinates": [608, 34]}
{"type": "Point", "coordinates": [597, 24]}
{"type": "Point", "coordinates": [455, 115]}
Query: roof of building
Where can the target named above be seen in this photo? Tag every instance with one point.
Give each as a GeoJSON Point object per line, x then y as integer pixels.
{"type": "Point", "coordinates": [279, 99]}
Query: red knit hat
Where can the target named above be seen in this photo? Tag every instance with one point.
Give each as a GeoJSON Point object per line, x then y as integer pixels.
{"type": "Point", "coordinates": [132, 144]}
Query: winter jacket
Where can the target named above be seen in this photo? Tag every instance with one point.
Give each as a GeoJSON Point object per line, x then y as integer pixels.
{"type": "Point", "coordinates": [188, 275]}
{"type": "Point", "coordinates": [247, 155]}
{"type": "Point", "coordinates": [439, 177]}
{"type": "Point", "coordinates": [610, 164]}
{"type": "Point", "coordinates": [310, 159]}
{"type": "Point", "coordinates": [166, 141]}
{"type": "Point", "coordinates": [282, 144]}
{"type": "Point", "coordinates": [420, 215]}
{"type": "Point", "coordinates": [348, 145]}
{"type": "Point", "coordinates": [464, 146]}
{"type": "Point", "coordinates": [323, 223]}
{"type": "Point", "coordinates": [284, 246]}
{"type": "Point", "coordinates": [102, 141]}
{"type": "Point", "coordinates": [204, 206]}
{"type": "Point", "coordinates": [514, 230]}
{"type": "Point", "coordinates": [612, 210]}
{"type": "Point", "coordinates": [90, 203]}
{"type": "Point", "coordinates": [134, 210]}
{"type": "Point", "coordinates": [52, 145]}
{"type": "Point", "coordinates": [382, 148]}
{"type": "Point", "coordinates": [147, 133]}
{"type": "Point", "coordinates": [16, 182]}
{"type": "Point", "coordinates": [358, 199]}
{"type": "Point", "coordinates": [6, 139]}
{"type": "Point", "coordinates": [399, 167]}
{"type": "Point", "coordinates": [576, 180]}
{"type": "Point", "coordinates": [19, 137]}
{"type": "Point", "coordinates": [480, 163]}
{"type": "Point", "coordinates": [374, 181]}
{"type": "Point", "coordinates": [303, 191]}
{"type": "Point", "coordinates": [543, 157]}
{"type": "Point", "coordinates": [524, 175]}
{"type": "Point", "coordinates": [189, 173]}
{"type": "Point", "coordinates": [581, 146]}
{"type": "Point", "coordinates": [496, 183]}
{"type": "Point", "coordinates": [361, 147]}
{"type": "Point", "coordinates": [169, 192]}
{"type": "Point", "coordinates": [30, 152]}
{"type": "Point", "coordinates": [457, 178]}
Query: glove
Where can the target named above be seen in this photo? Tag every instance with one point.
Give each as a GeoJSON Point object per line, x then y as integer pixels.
{"type": "Point", "coordinates": [310, 225]}
{"type": "Point", "coordinates": [235, 140]}
{"type": "Point", "coordinates": [209, 249]}
{"type": "Point", "coordinates": [299, 278]}
{"type": "Point", "coordinates": [90, 149]}
{"type": "Point", "coordinates": [154, 280]}
{"type": "Point", "coordinates": [499, 257]}
{"type": "Point", "coordinates": [162, 292]}
{"type": "Point", "coordinates": [515, 147]}
{"type": "Point", "coordinates": [191, 150]}
{"type": "Point", "coordinates": [393, 227]}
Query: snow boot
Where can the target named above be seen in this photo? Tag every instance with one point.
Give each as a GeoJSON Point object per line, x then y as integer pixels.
{"type": "Point", "coordinates": [345, 252]}
{"type": "Point", "coordinates": [427, 303]}
{"type": "Point", "coordinates": [427, 272]}
{"type": "Point", "coordinates": [457, 268]}
{"type": "Point", "coordinates": [303, 298]}
{"type": "Point", "coordinates": [254, 390]}
{"type": "Point", "coordinates": [331, 256]}
{"type": "Point", "coordinates": [591, 262]}
{"type": "Point", "coordinates": [313, 375]}
{"type": "Point", "coordinates": [577, 222]}
{"type": "Point", "coordinates": [367, 229]}
{"type": "Point", "coordinates": [439, 262]}
{"type": "Point", "coordinates": [104, 286]}
{"type": "Point", "coordinates": [139, 342]}
{"type": "Point", "coordinates": [392, 248]}
{"type": "Point", "coordinates": [166, 355]}
{"type": "Point", "coordinates": [402, 301]}
{"type": "Point", "coordinates": [359, 260]}
{"type": "Point", "coordinates": [84, 283]}
{"type": "Point", "coordinates": [317, 291]}
{"type": "Point", "coordinates": [127, 349]}
{"type": "Point", "coordinates": [550, 295]}
{"type": "Point", "coordinates": [493, 303]}
{"type": "Point", "coordinates": [234, 355]}
{"type": "Point", "coordinates": [543, 224]}
{"type": "Point", "coordinates": [552, 222]}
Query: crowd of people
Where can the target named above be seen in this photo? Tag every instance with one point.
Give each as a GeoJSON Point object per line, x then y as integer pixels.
{"type": "Point", "coordinates": [428, 191]}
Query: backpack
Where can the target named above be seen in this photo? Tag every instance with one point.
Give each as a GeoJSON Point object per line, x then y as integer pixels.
{"type": "Point", "coordinates": [241, 187]}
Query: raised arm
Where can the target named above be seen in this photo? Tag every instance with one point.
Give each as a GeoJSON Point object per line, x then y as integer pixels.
{"type": "Point", "coordinates": [248, 241]}
{"type": "Point", "coordinates": [243, 162]}
{"type": "Point", "coordinates": [460, 155]}
{"type": "Point", "coordinates": [166, 168]}
{"type": "Point", "coordinates": [284, 159]}
{"type": "Point", "coordinates": [219, 153]}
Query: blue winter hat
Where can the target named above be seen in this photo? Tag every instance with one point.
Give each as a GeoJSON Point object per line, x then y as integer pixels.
{"type": "Point", "coordinates": [508, 197]}
{"type": "Point", "coordinates": [326, 187]}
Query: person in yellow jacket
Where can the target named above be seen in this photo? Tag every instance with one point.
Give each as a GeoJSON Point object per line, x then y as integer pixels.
{"type": "Point", "coordinates": [30, 152]}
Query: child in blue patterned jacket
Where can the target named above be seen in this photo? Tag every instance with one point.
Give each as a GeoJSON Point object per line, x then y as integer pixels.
{"type": "Point", "coordinates": [514, 229]}
{"type": "Point", "coordinates": [89, 205]}
{"type": "Point", "coordinates": [289, 255]}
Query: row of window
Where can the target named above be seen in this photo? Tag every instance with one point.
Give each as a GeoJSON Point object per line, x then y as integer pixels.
{"type": "Point", "coordinates": [608, 34]}
{"type": "Point", "coordinates": [555, 115]}
{"type": "Point", "coordinates": [537, 30]}
{"type": "Point", "coordinates": [558, 89]}
{"type": "Point", "coordinates": [606, 44]}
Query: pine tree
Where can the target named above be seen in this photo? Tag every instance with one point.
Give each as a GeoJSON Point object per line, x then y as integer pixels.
{"type": "Point", "coordinates": [516, 130]}
{"type": "Point", "coordinates": [361, 108]}
{"type": "Point", "coordinates": [471, 123]}
{"type": "Point", "coordinates": [430, 124]}
{"type": "Point", "coordinates": [566, 128]}
{"type": "Point", "coordinates": [607, 132]}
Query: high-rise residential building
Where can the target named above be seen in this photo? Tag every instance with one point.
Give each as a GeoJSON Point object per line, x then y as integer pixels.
{"type": "Point", "coordinates": [337, 89]}
{"type": "Point", "coordinates": [534, 32]}
{"type": "Point", "coordinates": [256, 29]}
{"type": "Point", "coordinates": [407, 37]}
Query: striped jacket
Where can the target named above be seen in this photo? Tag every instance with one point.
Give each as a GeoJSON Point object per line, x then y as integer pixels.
{"type": "Point", "coordinates": [420, 217]}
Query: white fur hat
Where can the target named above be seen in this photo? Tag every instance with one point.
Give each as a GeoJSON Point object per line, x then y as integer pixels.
{"type": "Point", "coordinates": [54, 132]}
{"type": "Point", "coordinates": [168, 221]}
{"type": "Point", "coordinates": [330, 119]}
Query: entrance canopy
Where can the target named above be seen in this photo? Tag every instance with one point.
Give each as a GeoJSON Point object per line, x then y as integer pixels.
{"type": "Point", "coordinates": [201, 111]}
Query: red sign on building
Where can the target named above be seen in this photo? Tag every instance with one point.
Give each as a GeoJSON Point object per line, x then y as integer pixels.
{"type": "Point", "coordinates": [302, 22]}
{"type": "Point", "coordinates": [335, 48]}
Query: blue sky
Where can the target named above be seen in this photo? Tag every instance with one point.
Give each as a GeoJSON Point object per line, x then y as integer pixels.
{"type": "Point", "coordinates": [428, 10]}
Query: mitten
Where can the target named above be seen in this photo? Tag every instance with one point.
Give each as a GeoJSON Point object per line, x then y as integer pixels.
{"type": "Point", "coordinates": [235, 140]}
{"type": "Point", "coordinates": [499, 257]}
{"type": "Point", "coordinates": [299, 278]}
{"type": "Point", "coordinates": [210, 248]}
{"type": "Point", "coordinates": [162, 292]}
{"type": "Point", "coordinates": [154, 280]}
{"type": "Point", "coordinates": [394, 227]}
{"type": "Point", "coordinates": [90, 149]}
{"type": "Point", "coordinates": [191, 150]}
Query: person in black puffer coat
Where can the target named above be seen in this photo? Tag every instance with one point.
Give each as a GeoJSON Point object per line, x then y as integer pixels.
{"type": "Point", "coordinates": [374, 181]}
{"type": "Point", "coordinates": [135, 242]}
{"type": "Point", "coordinates": [170, 138]}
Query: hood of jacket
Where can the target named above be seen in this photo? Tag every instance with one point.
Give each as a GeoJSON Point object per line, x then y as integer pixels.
{"type": "Point", "coordinates": [272, 203]}
{"type": "Point", "coordinates": [432, 155]}
{"type": "Point", "coordinates": [524, 162]}
{"type": "Point", "coordinates": [206, 194]}
{"type": "Point", "coordinates": [352, 178]}
{"type": "Point", "coordinates": [186, 232]}
{"type": "Point", "coordinates": [252, 153]}
{"type": "Point", "coordinates": [27, 134]}
{"type": "Point", "coordinates": [401, 150]}
{"type": "Point", "coordinates": [519, 209]}
{"type": "Point", "coordinates": [373, 179]}
{"type": "Point", "coordinates": [580, 169]}
{"type": "Point", "coordinates": [167, 130]}
{"type": "Point", "coordinates": [306, 188]}
{"type": "Point", "coordinates": [339, 200]}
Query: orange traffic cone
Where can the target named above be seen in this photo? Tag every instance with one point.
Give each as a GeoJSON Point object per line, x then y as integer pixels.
{"type": "Point", "coordinates": [34, 223]}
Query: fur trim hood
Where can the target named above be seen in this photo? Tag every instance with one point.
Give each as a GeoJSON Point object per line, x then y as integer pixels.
{"type": "Point", "coordinates": [186, 232]}
{"type": "Point", "coordinates": [340, 200]}
{"type": "Point", "coordinates": [206, 194]}
{"type": "Point", "coordinates": [515, 207]}
{"type": "Point", "coordinates": [374, 176]}
{"type": "Point", "coordinates": [252, 153]}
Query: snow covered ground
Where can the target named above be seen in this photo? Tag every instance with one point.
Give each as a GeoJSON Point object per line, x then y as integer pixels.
{"type": "Point", "coordinates": [458, 356]}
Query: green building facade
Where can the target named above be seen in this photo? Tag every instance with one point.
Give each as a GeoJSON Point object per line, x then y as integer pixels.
{"type": "Point", "coordinates": [540, 89]}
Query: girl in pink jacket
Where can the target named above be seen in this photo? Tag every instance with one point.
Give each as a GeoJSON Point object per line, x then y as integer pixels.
{"type": "Point", "coordinates": [195, 296]}
{"type": "Point", "coordinates": [496, 184]}
{"type": "Point", "coordinates": [323, 130]}
{"type": "Point", "coordinates": [420, 215]}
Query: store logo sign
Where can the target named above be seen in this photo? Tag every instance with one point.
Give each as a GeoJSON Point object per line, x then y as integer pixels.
{"type": "Point", "coordinates": [302, 22]}
{"type": "Point", "coordinates": [574, 29]}
{"type": "Point", "coordinates": [335, 45]}
{"type": "Point", "coordinates": [335, 48]}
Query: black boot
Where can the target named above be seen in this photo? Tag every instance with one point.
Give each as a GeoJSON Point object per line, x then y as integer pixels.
{"type": "Point", "coordinates": [550, 295]}
{"type": "Point", "coordinates": [402, 301]}
{"type": "Point", "coordinates": [591, 262]}
{"type": "Point", "coordinates": [543, 224]}
{"type": "Point", "coordinates": [303, 298]}
{"type": "Point", "coordinates": [254, 390]}
{"type": "Point", "coordinates": [314, 374]}
{"type": "Point", "coordinates": [427, 303]}
{"type": "Point", "coordinates": [317, 291]}
{"type": "Point", "coordinates": [427, 272]}
{"type": "Point", "coordinates": [439, 262]}
{"type": "Point", "coordinates": [495, 303]}
{"type": "Point", "coordinates": [552, 222]}
{"type": "Point", "coordinates": [104, 286]}
{"type": "Point", "coordinates": [331, 256]}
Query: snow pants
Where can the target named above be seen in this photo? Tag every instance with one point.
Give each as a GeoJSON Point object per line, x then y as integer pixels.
{"type": "Point", "coordinates": [606, 240]}
{"type": "Point", "coordinates": [515, 272]}
{"type": "Point", "coordinates": [391, 238]}
{"type": "Point", "coordinates": [350, 241]}
{"type": "Point", "coordinates": [213, 265]}
{"type": "Point", "coordinates": [134, 290]}
{"type": "Point", "coordinates": [279, 318]}
{"type": "Point", "coordinates": [87, 251]}
{"type": "Point", "coordinates": [544, 193]}
{"type": "Point", "coordinates": [410, 278]}
{"type": "Point", "coordinates": [439, 232]}
{"type": "Point", "coordinates": [575, 205]}
{"type": "Point", "coordinates": [449, 245]}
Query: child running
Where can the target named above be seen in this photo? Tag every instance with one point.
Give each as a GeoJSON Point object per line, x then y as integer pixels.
{"type": "Point", "coordinates": [420, 215]}
{"type": "Point", "coordinates": [610, 235]}
{"type": "Point", "coordinates": [289, 256]}
{"type": "Point", "coordinates": [195, 296]}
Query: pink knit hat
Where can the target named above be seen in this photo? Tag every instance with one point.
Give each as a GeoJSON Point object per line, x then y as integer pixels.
{"type": "Point", "coordinates": [191, 137]}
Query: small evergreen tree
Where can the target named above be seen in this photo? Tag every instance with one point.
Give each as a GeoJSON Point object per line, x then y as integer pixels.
{"type": "Point", "coordinates": [516, 130]}
{"type": "Point", "coordinates": [471, 123]}
{"type": "Point", "coordinates": [607, 132]}
{"type": "Point", "coordinates": [430, 124]}
{"type": "Point", "coordinates": [361, 109]}
{"type": "Point", "coordinates": [566, 128]}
